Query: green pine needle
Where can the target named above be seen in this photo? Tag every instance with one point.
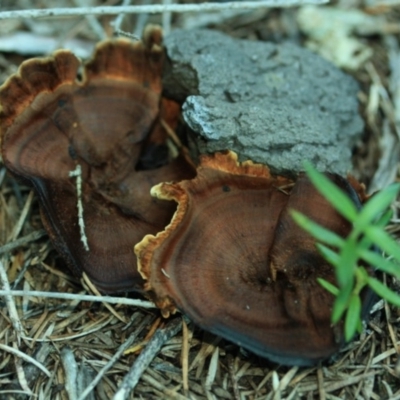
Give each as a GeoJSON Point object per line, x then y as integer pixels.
{"type": "Point", "coordinates": [340, 200]}
{"type": "Point", "coordinates": [353, 317]}
{"type": "Point", "coordinates": [328, 286]}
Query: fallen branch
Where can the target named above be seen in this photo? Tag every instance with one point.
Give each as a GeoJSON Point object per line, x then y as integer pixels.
{"type": "Point", "coordinates": [153, 8]}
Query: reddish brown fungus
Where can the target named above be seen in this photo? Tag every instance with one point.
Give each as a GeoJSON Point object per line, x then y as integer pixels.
{"type": "Point", "coordinates": [236, 263]}
{"type": "Point", "coordinates": [108, 125]}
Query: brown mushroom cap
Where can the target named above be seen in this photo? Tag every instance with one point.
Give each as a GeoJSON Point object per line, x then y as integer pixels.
{"type": "Point", "coordinates": [236, 263]}
{"type": "Point", "coordinates": [106, 123]}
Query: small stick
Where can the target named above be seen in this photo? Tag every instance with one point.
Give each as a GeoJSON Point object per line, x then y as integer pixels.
{"type": "Point", "coordinates": [232, 375]}
{"type": "Point", "coordinates": [94, 290]}
{"type": "Point", "coordinates": [11, 307]}
{"type": "Point", "coordinates": [93, 22]}
{"type": "Point", "coordinates": [15, 392]}
{"type": "Point", "coordinates": [132, 36]}
{"type": "Point", "coordinates": [141, 20]}
{"type": "Point", "coordinates": [79, 297]}
{"type": "Point", "coordinates": [71, 372]}
{"type": "Point", "coordinates": [166, 18]}
{"type": "Point", "coordinates": [3, 170]}
{"type": "Point", "coordinates": [153, 8]}
{"type": "Point", "coordinates": [146, 357]}
{"type": "Point", "coordinates": [22, 376]}
{"type": "Point", "coordinates": [320, 380]}
{"type": "Point", "coordinates": [77, 172]}
{"type": "Point", "coordinates": [116, 24]}
{"type": "Point", "coordinates": [212, 369]}
{"type": "Point", "coordinates": [170, 394]}
{"type": "Point", "coordinates": [171, 133]}
{"type": "Point", "coordinates": [392, 333]}
{"type": "Point", "coordinates": [23, 240]}
{"type": "Point", "coordinates": [176, 142]}
{"type": "Point", "coordinates": [185, 357]}
{"type": "Point", "coordinates": [21, 221]}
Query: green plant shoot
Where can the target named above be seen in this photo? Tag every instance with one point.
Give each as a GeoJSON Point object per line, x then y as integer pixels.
{"type": "Point", "coordinates": [348, 255]}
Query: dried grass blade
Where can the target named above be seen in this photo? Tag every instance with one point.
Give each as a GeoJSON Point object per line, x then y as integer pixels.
{"type": "Point", "coordinates": [21, 221]}
{"type": "Point", "coordinates": [12, 309]}
{"type": "Point", "coordinates": [25, 357]}
{"type": "Point", "coordinates": [97, 293]}
{"type": "Point", "coordinates": [185, 357]}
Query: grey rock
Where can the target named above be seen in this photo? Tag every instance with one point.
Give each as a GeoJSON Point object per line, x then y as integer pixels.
{"type": "Point", "coordinates": [274, 104]}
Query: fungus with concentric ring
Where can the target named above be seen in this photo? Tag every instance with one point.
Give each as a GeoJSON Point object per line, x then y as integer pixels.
{"type": "Point", "coordinates": [236, 263]}
{"type": "Point", "coordinates": [92, 149]}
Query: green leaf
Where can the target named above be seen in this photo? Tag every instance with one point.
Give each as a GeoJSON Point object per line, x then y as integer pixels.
{"type": "Point", "coordinates": [341, 303]}
{"type": "Point", "coordinates": [365, 243]}
{"type": "Point", "coordinates": [375, 206]}
{"type": "Point", "coordinates": [377, 261]}
{"type": "Point", "coordinates": [384, 292]}
{"type": "Point", "coordinates": [328, 286]}
{"type": "Point", "coordinates": [367, 233]}
{"type": "Point", "coordinates": [347, 263]}
{"type": "Point", "coordinates": [339, 199]}
{"type": "Point", "coordinates": [330, 255]}
{"type": "Point", "coordinates": [353, 318]}
{"type": "Point", "coordinates": [384, 241]}
{"type": "Point", "coordinates": [362, 276]}
{"type": "Point", "coordinates": [360, 325]}
{"type": "Point", "coordinates": [384, 219]}
{"type": "Point", "coordinates": [317, 231]}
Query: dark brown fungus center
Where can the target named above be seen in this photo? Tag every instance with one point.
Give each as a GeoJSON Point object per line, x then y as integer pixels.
{"type": "Point", "coordinates": [92, 149]}
{"type": "Point", "coordinates": [236, 263]}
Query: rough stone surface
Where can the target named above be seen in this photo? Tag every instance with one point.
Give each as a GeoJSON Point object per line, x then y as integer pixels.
{"type": "Point", "coordinates": [274, 104]}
